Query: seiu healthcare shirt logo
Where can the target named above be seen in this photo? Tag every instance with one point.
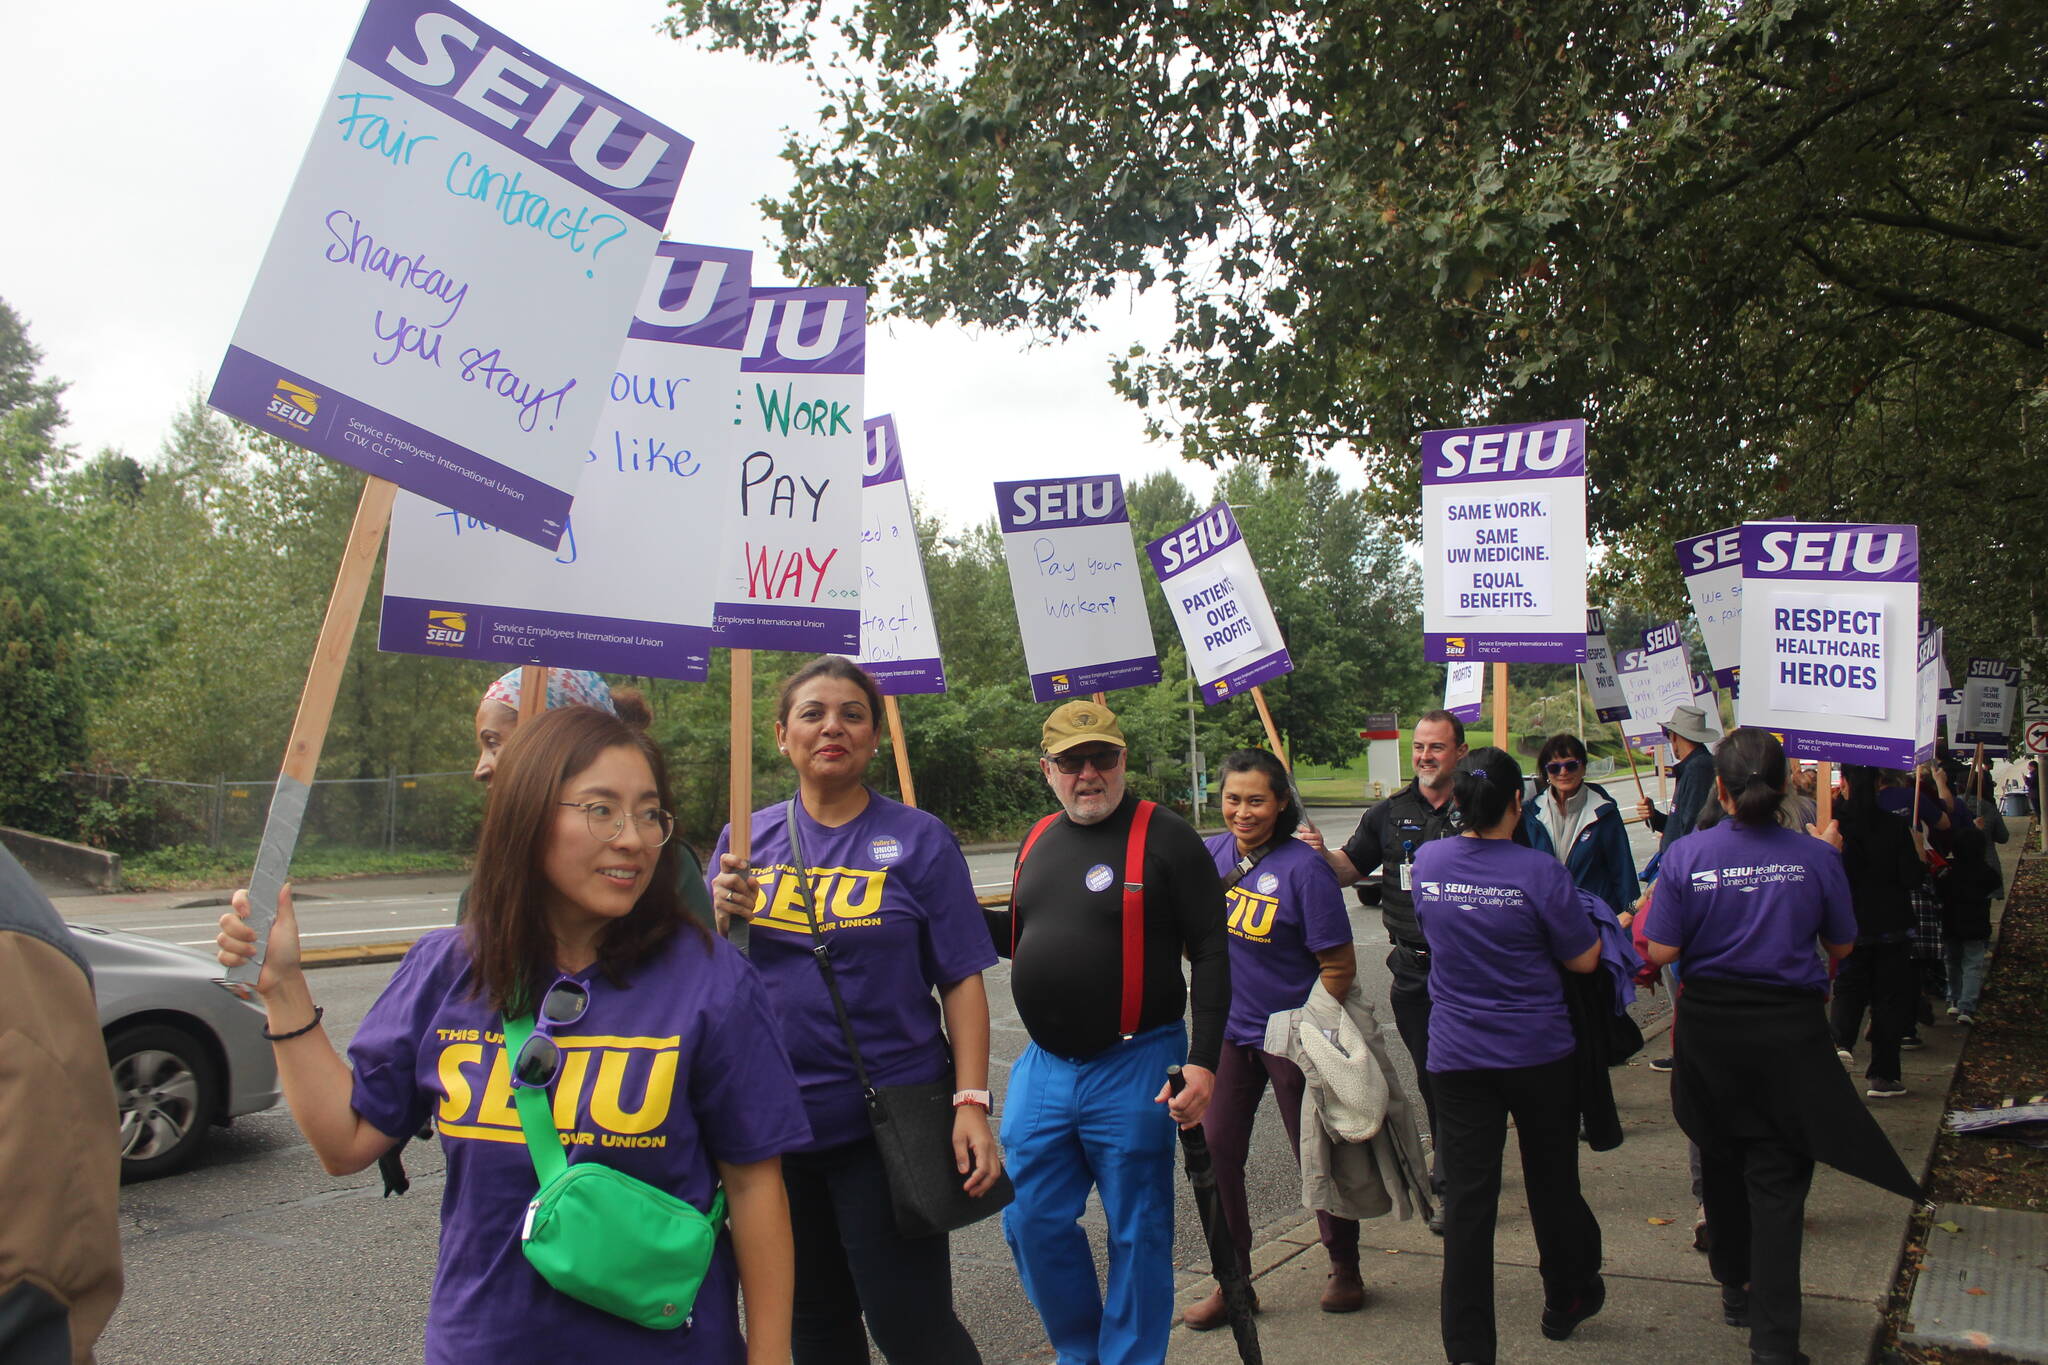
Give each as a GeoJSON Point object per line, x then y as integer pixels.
{"type": "Point", "coordinates": [1749, 880]}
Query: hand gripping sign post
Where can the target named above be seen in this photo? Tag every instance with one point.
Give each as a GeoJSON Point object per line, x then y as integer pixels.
{"type": "Point", "coordinates": [452, 272]}
{"type": "Point", "coordinates": [790, 557]}
{"type": "Point", "coordinates": [1712, 567]}
{"type": "Point", "coordinates": [629, 588]}
{"type": "Point", "coordinates": [899, 639]}
{"type": "Point", "coordinates": [1504, 547]}
{"type": "Point", "coordinates": [1830, 620]}
{"type": "Point", "coordinates": [1074, 577]}
{"type": "Point", "coordinates": [1213, 590]}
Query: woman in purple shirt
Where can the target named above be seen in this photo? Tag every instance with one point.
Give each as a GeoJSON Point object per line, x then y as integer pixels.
{"type": "Point", "coordinates": [664, 1065]}
{"type": "Point", "coordinates": [1500, 920]}
{"type": "Point", "coordinates": [1753, 911]}
{"type": "Point", "coordinates": [1289, 935]}
{"type": "Point", "coordinates": [896, 909]}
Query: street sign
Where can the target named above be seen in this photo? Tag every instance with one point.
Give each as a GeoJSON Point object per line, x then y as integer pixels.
{"type": "Point", "coordinates": [2037, 736]}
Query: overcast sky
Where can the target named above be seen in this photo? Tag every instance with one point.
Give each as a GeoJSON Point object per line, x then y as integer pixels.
{"type": "Point", "coordinates": [154, 146]}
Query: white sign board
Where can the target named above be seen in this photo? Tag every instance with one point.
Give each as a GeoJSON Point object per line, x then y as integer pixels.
{"type": "Point", "coordinates": [1074, 576]}
{"type": "Point", "coordinates": [1504, 543]}
{"type": "Point", "coordinates": [1464, 689]}
{"type": "Point", "coordinates": [1927, 672]}
{"type": "Point", "coordinates": [1609, 703]}
{"type": "Point", "coordinates": [1990, 692]}
{"type": "Point", "coordinates": [446, 293]}
{"type": "Point", "coordinates": [899, 640]}
{"type": "Point", "coordinates": [1657, 680]}
{"type": "Point", "coordinates": [790, 577]}
{"type": "Point", "coordinates": [1219, 605]}
{"type": "Point", "coordinates": [1712, 567]}
{"type": "Point", "coordinates": [1830, 618]}
{"type": "Point", "coordinates": [628, 590]}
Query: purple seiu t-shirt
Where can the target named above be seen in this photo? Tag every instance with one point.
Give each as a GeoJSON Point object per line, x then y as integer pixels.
{"type": "Point", "coordinates": [1284, 912]}
{"type": "Point", "coordinates": [1498, 919]}
{"type": "Point", "coordinates": [663, 1077]}
{"type": "Point", "coordinates": [897, 906]}
{"type": "Point", "coordinates": [1747, 903]}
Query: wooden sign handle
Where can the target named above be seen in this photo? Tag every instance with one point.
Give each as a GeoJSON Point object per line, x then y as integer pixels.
{"type": "Point", "coordinates": [901, 750]}
{"type": "Point", "coordinates": [1500, 706]}
{"type": "Point", "coordinates": [1628, 751]}
{"type": "Point", "coordinates": [1272, 732]}
{"type": "Point", "coordinates": [533, 693]}
{"type": "Point", "coordinates": [1824, 793]}
{"type": "Point", "coordinates": [739, 797]}
{"type": "Point", "coordinates": [287, 812]}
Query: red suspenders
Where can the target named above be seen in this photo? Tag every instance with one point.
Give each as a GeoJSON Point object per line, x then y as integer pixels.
{"type": "Point", "coordinates": [1134, 910]}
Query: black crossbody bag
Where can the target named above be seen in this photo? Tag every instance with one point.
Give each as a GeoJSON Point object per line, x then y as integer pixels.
{"type": "Point", "coordinates": [913, 1123]}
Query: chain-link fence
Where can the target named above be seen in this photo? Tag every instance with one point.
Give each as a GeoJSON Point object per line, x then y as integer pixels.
{"type": "Point", "coordinates": [435, 812]}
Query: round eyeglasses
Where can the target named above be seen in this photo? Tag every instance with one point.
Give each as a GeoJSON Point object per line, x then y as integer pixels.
{"type": "Point", "coordinates": [607, 821]}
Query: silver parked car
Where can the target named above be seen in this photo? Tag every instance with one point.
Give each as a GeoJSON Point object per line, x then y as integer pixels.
{"type": "Point", "coordinates": [185, 1046]}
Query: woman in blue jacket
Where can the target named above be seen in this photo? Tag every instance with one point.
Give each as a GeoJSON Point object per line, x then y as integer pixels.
{"type": "Point", "coordinates": [1579, 824]}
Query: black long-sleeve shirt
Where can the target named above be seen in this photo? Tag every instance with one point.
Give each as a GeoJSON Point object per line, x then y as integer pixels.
{"type": "Point", "coordinates": [1067, 976]}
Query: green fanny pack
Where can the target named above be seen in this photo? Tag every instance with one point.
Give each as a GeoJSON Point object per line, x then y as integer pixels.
{"type": "Point", "coordinates": [600, 1235]}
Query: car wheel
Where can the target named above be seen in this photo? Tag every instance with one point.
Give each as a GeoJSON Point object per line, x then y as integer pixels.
{"type": "Point", "coordinates": [168, 1094]}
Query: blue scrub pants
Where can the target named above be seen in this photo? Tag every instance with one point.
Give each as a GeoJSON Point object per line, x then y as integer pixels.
{"type": "Point", "coordinates": [1071, 1125]}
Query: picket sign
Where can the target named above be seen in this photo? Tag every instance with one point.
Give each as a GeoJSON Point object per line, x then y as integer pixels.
{"type": "Point", "coordinates": [316, 709]}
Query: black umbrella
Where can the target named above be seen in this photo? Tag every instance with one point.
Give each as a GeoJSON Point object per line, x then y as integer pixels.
{"type": "Point", "coordinates": [1236, 1286]}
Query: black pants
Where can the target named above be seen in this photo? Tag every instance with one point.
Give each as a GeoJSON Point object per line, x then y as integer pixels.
{"type": "Point", "coordinates": [1473, 1107]}
{"type": "Point", "coordinates": [1756, 1205]}
{"type": "Point", "coordinates": [850, 1262]}
{"type": "Point", "coordinates": [1878, 977]}
{"type": "Point", "coordinates": [1408, 993]}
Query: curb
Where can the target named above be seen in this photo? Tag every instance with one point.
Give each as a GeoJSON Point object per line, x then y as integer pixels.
{"type": "Point", "coordinates": [354, 955]}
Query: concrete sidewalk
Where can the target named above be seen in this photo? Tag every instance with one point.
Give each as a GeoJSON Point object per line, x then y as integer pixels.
{"type": "Point", "coordinates": [1661, 1300]}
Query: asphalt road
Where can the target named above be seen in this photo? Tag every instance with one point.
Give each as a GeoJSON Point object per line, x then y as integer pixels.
{"type": "Point", "coordinates": [256, 1255]}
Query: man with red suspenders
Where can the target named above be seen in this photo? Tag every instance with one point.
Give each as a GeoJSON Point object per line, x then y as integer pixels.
{"type": "Point", "coordinates": [1110, 892]}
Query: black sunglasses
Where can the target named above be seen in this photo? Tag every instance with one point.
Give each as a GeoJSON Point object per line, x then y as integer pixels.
{"type": "Point", "coordinates": [1561, 766]}
{"type": "Point", "coordinates": [540, 1061]}
{"type": "Point", "coordinates": [1105, 761]}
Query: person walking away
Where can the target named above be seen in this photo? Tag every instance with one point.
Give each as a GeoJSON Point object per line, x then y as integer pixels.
{"type": "Point", "coordinates": [1981, 803]}
{"type": "Point", "coordinates": [895, 904]}
{"type": "Point", "coordinates": [1749, 907]}
{"type": "Point", "coordinates": [1387, 839]}
{"type": "Point", "coordinates": [60, 1241]}
{"type": "Point", "coordinates": [1964, 890]}
{"type": "Point", "coordinates": [1500, 921]}
{"type": "Point", "coordinates": [651, 1041]}
{"type": "Point", "coordinates": [1579, 823]}
{"type": "Point", "coordinates": [1289, 935]}
{"type": "Point", "coordinates": [1110, 892]}
{"type": "Point", "coordinates": [1882, 864]}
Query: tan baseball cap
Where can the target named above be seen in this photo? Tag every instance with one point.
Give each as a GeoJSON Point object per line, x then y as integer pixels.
{"type": "Point", "coordinates": [1082, 722]}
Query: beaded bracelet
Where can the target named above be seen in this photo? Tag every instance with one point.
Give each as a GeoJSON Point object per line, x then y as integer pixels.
{"type": "Point", "coordinates": [318, 1010]}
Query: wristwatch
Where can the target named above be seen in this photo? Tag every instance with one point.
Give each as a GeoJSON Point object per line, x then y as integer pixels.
{"type": "Point", "coordinates": [980, 1097]}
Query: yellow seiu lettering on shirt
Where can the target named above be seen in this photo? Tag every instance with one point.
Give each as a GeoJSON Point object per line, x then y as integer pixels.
{"type": "Point", "coordinates": [587, 1111]}
{"type": "Point", "coordinates": [1251, 914]}
{"type": "Point", "coordinates": [843, 896]}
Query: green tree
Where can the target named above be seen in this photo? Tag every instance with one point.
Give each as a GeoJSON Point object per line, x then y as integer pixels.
{"type": "Point", "coordinates": [1788, 257]}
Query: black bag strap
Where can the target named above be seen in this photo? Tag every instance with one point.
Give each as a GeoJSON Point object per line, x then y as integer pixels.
{"type": "Point", "coordinates": [1246, 864]}
{"type": "Point", "coordinates": [819, 952]}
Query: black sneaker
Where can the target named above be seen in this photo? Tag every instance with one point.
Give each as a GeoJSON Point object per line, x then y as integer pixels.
{"type": "Point", "coordinates": [1911, 1043]}
{"type": "Point", "coordinates": [1436, 1219]}
{"type": "Point", "coordinates": [1560, 1321]}
{"type": "Point", "coordinates": [1884, 1088]}
{"type": "Point", "coordinates": [1735, 1305]}
{"type": "Point", "coordinates": [1660, 1063]}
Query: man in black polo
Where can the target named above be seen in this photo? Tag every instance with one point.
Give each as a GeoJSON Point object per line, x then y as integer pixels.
{"type": "Point", "coordinates": [1387, 838]}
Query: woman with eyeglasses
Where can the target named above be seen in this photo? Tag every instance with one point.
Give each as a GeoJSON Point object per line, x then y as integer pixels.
{"type": "Point", "coordinates": [895, 908]}
{"type": "Point", "coordinates": [1500, 921]}
{"type": "Point", "coordinates": [653, 1041]}
{"type": "Point", "coordinates": [1579, 824]}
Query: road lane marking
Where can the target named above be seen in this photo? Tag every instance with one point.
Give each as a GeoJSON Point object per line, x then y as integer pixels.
{"type": "Point", "coordinates": [337, 933]}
